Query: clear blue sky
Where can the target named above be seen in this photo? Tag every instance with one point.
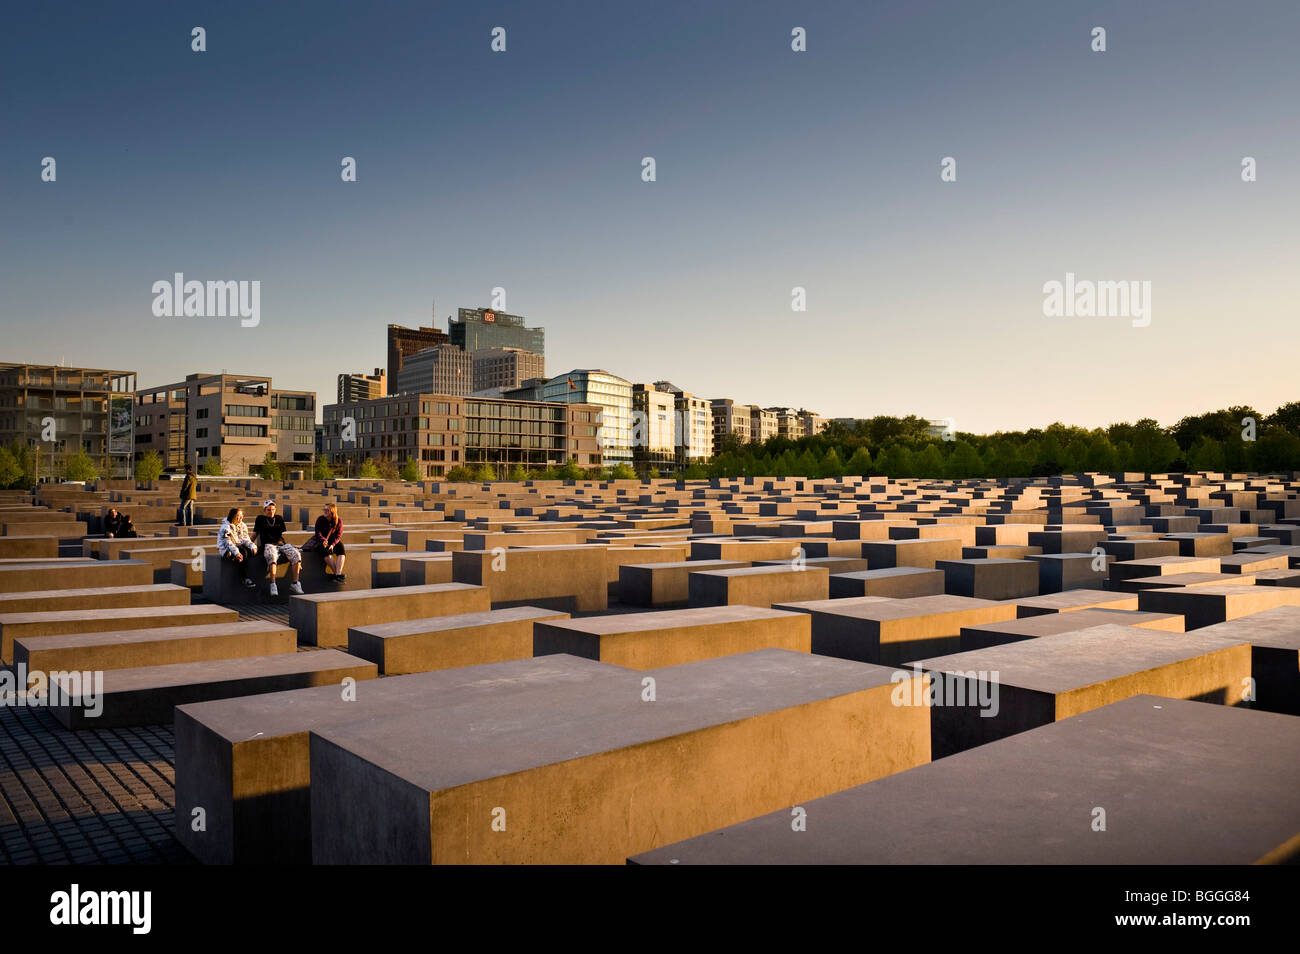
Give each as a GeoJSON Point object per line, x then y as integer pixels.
{"type": "Point", "coordinates": [775, 169]}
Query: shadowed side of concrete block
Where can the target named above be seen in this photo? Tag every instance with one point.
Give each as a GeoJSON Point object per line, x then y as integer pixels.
{"type": "Point", "coordinates": [574, 775]}
{"type": "Point", "coordinates": [1157, 767]}
{"type": "Point", "coordinates": [670, 637]}
{"type": "Point", "coordinates": [245, 761]}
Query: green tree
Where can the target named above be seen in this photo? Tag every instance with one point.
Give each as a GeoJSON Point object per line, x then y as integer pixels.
{"type": "Point", "coordinates": [859, 464]}
{"type": "Point", "coordinates": [695, 472]}
{"type": "Point", "coordinates": [621, 471]}
{"type": "Point", "coordinates": [11, 471]}
{"type": "Point", "coordinates": [831, 465]}
{"type": "Point", "coordinates": [410, 470]}
{"type": "Point", "coordinates": [1124, 457]}
{"type": "Point", "coordinates": [79, 466]}
{"type": "Point", "coordinates": [1276, 450]}
{"type": "Point", "coordinates": [1101, 458]}
{"type": "Point", "coordinates": [368, 468]}
{"type": "Point", "coordinates": [270, 470]}
{"type": "Point", "coordinates": [1206, 454]}
{"type": "Point", "coordinates": [387, 469]}
{"type": "Point", "coordinates": [894, 461]}
{"type": "Point", "coordinates": [571, 470]}
{"type": "Point", "coordinates": [459, 473]}
{"type": "Point", "coordinates": [517, 473]}
{"type": "Point", "coordinates": [1286, 417]}
{"type": "Point", "coordinates": [1223, 426]}
{"type": "Point", "coordinates": [1153, 449]}
{"type": "Point", "coordinates": [212, 467]}
{"type": "Point", "coordinates": [1048, 460]}
{"type": "Point", "coordinates": [484, 472]}
{"type": "Point", "coordinates": [964, 462]}
{"type": "Point", "coordinates": [929, 463]}
{"type": "Point", "coordinates": [322, 470]}
{"type": "Point", "coordinates": [149, 466]}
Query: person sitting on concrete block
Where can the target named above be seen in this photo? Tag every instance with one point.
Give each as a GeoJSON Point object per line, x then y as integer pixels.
{"type": "Point", "coordinates": [235, 545]}
{"type": "Point", "coordinates": [328, 539]}
{"type": "Point", "coordinates": [269, 530]}
{"type": "Point", "coordinates": [117, 524]}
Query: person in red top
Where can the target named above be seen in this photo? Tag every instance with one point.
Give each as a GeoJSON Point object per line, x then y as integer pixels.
{"type": "Point", "coordinates": [329, 541]}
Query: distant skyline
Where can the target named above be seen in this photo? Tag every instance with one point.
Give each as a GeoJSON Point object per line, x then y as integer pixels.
{"type": "Point", "coordinates": [774, 169]}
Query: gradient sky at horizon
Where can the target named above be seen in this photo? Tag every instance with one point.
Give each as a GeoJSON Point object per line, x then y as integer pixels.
{"type": "Point", "coordinates": [775, 169]}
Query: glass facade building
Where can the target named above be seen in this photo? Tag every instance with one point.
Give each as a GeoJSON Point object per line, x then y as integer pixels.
{"type": "Point", "coordinates": [610, 393]}
{"type": "Point", "coordinates": [478, 329]}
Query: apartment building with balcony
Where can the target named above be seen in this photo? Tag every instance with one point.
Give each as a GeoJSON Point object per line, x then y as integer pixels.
{"type": "Point", "coordinates": [233, 418]}
{"type": "Point", "coordinates": [84, 410]}
{"type": "Point", "coordinates": [730, 419]}
{"type": "Point", "coordinates": [653, 435]}
{"type": "Point", "coordinates": [692, 426]}
{"type": "Point", "coordinates": [442, 431]}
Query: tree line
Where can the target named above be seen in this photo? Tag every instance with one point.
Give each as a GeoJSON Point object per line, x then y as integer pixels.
{"type": "Point", "coordinates": [1234, 439]}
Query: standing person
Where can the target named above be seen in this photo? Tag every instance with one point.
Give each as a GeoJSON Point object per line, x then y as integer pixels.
{"type": "Point", "coordinates": [235, 545]}
{"type": "Point", "coordinates": [329, 541]}
{"type": "Point", "coordinates": [189, 490]}
{"type": "Point", "coordinates": [269, 530]}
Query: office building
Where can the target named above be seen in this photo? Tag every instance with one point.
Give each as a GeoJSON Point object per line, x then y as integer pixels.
{"type": "Point", "coordinates": [609, 392]}
{"type": "Point", "coordinates": [652, 428]}
{"type": "Point", "coordinates": [506, 367]}
{"type": "Point", "coordinates": [446, 369]}
{"type": "Point", "coordinates": [407, 341]}
{"type": "Point", "coordinates": [235, 419]}
{"type": "Point", "coordinates": [482, 329]}
{"type": "Point", "coordinates": [442, 431]}
{"type": "Point", "coordinates": [362, 387]}
{"type": "Point", "coordinates": [83, 409]}
{"type": "Point", "coordinates": [692, 426]}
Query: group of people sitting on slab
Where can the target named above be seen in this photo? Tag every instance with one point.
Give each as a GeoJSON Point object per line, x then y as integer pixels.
{"type": "Point", "coordinates": [118, 524]}
{"type": "Point", "coordinates": [238, 546]}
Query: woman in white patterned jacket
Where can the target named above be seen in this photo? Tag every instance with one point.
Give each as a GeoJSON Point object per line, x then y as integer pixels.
{"type": "Point", "coordinates": [235, 544]}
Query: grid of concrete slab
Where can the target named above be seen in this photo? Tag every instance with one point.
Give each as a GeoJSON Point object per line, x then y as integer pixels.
{"type": "Point", "coordinates": [1090, 669]}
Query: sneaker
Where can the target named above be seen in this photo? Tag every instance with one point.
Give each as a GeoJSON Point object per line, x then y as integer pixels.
{"type": "Point", "coordinates": [275, 590]}
{"type": "Point", "coordinates": [340, 578]}
{"type": "Point", "coordinates": [249, 583]}
{"type": "Point", "coordinates": [295, 588]}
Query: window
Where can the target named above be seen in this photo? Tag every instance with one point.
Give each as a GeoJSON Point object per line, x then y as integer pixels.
{"type": "Point", "coordinates": [201, 432]}
{"type": "Point", "coordinates": [201, 413]}
{"type": "Point", "coordinates": [245, 410]}
{"type": "Point", "coordinates": [245, 430]}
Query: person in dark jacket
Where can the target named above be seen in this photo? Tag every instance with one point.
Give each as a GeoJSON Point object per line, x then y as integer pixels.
{"type": "Point", "coordinates": [189, 491]}
{"type": "Point", "coordinates": [329, 541]}
{"type": "Point", "coordinates": [269, 531]}
{"type": "Point", "coordinates": [118, 524]}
